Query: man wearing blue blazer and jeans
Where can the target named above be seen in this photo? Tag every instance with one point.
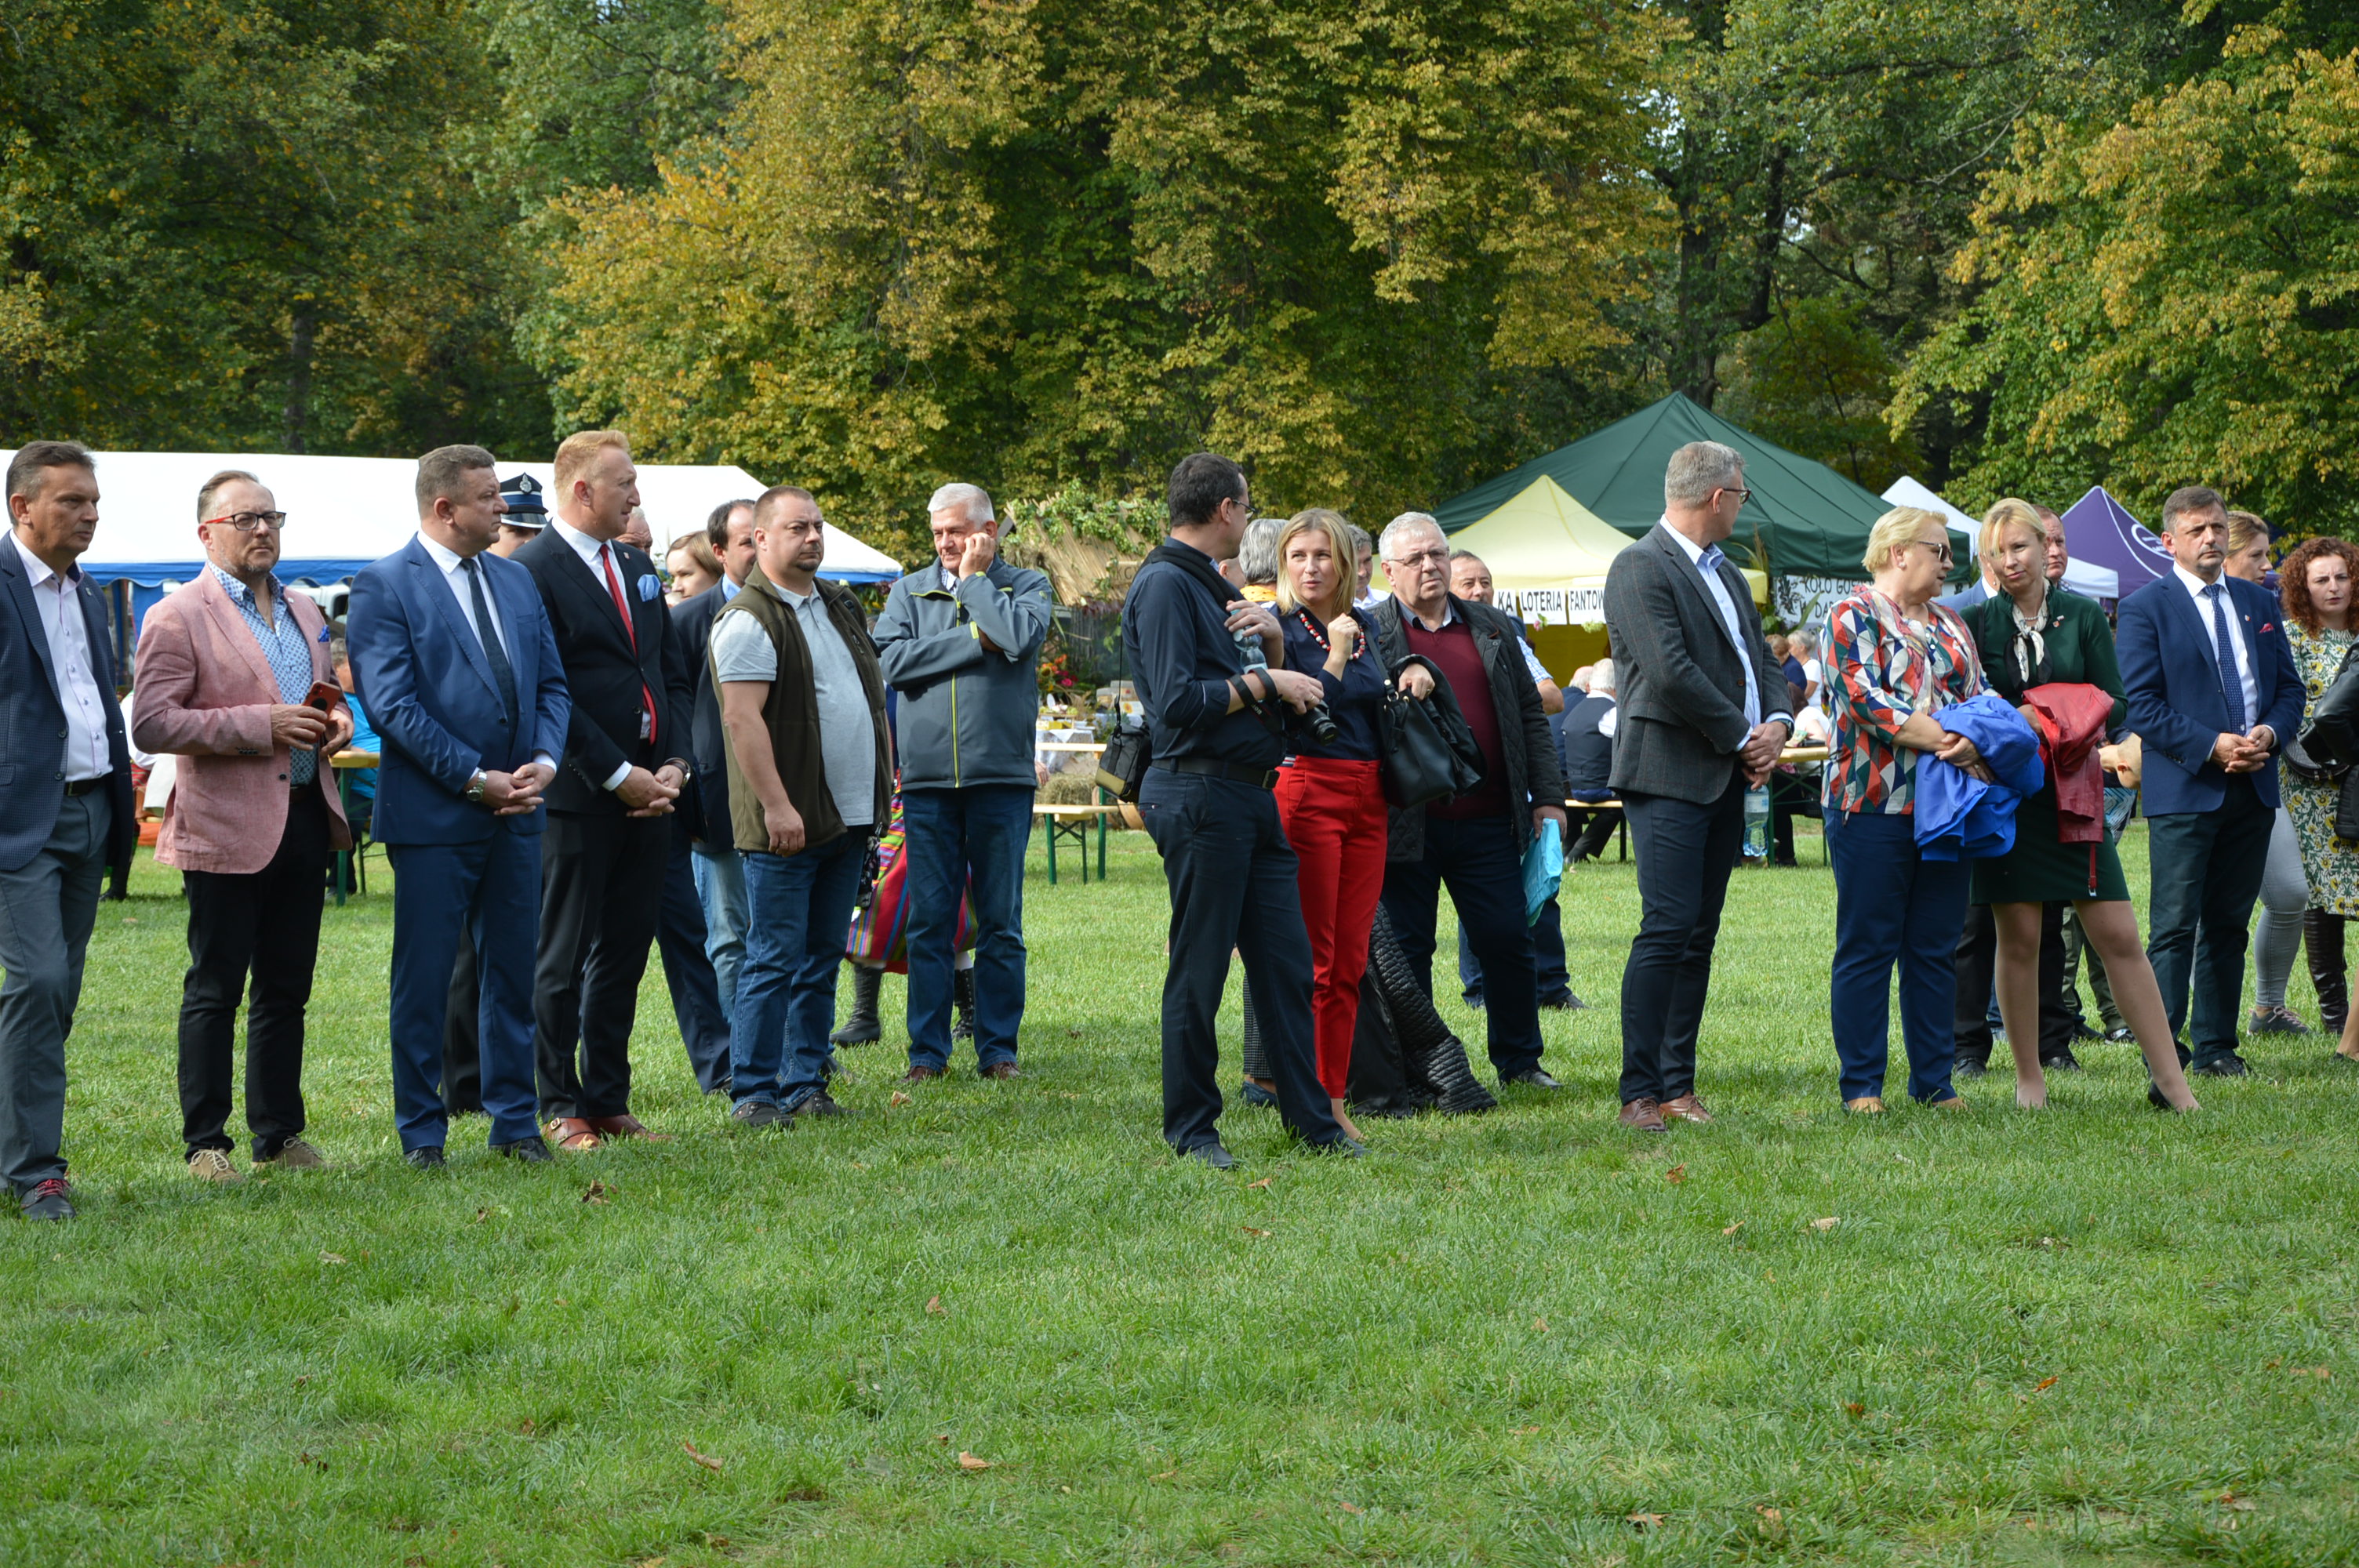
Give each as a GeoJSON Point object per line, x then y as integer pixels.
{"type": "Point", "coordinates": [452, 652]}
{"type": "Point", "coordinates": [2214, 695]}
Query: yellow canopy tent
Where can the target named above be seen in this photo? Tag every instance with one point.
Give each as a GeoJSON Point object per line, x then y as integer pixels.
{"type": "Point", "coordinates": [1548, 555]}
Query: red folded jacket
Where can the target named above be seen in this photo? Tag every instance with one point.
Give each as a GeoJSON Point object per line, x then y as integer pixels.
{"type": "Point", "coordinates": [2070, 718]}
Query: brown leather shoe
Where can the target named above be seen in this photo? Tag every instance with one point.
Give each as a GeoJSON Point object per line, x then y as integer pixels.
{"type": "Point", "coordinates": [1644, 1116]}
{"type": "Point", "coordinates": [1866, 1105]}
{"type": "Point", "coordinates": [1002, 1070]}
{"type": "Point", "coordinates": [1955, 1102]}
{"type": "Point", "coordinates": [572, 1134]}
{"type": "Point", "coordinates": [921, 1075]}
{"type": "Point", "coordinates": [626, 1125]}
{"type": "Point", "coordinates": [1686, 1108]}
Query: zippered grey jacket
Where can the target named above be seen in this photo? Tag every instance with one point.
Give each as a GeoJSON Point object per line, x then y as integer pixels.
{"type": "Point", "coordinates": [965, 714]}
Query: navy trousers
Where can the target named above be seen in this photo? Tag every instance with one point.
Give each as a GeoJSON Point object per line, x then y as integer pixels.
{"type": "Point", "coordinates": [962, 839]}
{"type": "Point", "coordinates": [1233, 881]}
{"type": "Point", "coordinates": [688, 969]}
{"type": "Point", "coordinates": [489, 894]}
{"type": "Point", "coordinates": [1685, 852]}
{"type": "Point", "coordinates": [1892, 909]}
{"type": "Point", "coordinates": [1547, 958]}
{"type": "Point", "coordinates": [2206, 872]}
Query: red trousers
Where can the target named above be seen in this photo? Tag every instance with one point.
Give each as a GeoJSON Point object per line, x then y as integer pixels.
{"type": "Point", "coordinates": [1333, 813]}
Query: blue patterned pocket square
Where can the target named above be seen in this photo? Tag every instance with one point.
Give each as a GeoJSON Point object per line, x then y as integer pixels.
{"type": "Point", "coordinates": [650, 585]}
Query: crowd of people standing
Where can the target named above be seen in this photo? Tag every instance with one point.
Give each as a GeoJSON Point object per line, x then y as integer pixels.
{"type": "Point", "coordinates": [575, 766]}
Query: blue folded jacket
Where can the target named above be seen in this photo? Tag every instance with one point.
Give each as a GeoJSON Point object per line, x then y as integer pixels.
{"type": "Point", "coordinates": [1958, 815]}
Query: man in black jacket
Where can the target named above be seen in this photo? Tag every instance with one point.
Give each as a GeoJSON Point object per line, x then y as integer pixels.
{"type": "Point", "coordinates": [1217, 739]}
{"type": "Point", "coordinates": [602, 859]}
{"type": "Point", "coordinates": [1586, 744]}
{"type": "Point", "coordinates": [1474, 843]}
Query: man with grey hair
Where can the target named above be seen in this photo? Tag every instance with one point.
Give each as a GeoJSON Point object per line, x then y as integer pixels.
{"type": "Point", "coordinates": [960, 639]}
{"type": "Point", "coordinates": [1703, 716]}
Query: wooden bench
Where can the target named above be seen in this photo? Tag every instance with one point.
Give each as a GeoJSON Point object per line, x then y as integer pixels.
{"type": "Point", "coordinates": [1621, 828]}
{"type": "Point", "coordinates": [1072, 822]}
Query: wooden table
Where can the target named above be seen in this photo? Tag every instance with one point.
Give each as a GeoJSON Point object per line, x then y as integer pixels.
{"type": "Point", "coordinates": [347, 762]}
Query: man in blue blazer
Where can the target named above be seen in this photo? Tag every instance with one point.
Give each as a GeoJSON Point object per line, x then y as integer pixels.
{"type": "Point", "coordinates": [65, 818]}
{"type": "Point", "coordinates": [2214, 695]}
{"type": "Point", "coordinates": [471, 718]}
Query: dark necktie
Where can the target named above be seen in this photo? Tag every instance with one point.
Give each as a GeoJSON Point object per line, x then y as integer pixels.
{"type": "Point", "coordinates": [2230, 687]}
{"type": "Point", "coordinates": [503, 673]}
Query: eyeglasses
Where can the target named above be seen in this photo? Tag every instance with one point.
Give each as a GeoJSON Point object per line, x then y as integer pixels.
{"type": "Point", "coordinates": [247, 522]}
{"type": "Point", "coordinates": [1421, 557]}
{"type": "Point", "coordinates": [1940, 547]}
{"type": "Point", "coordinates": [1742, 495]}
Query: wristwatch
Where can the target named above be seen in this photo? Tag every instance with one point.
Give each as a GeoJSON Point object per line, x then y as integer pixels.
{"type": "Point", "coordinates": [477, 782]}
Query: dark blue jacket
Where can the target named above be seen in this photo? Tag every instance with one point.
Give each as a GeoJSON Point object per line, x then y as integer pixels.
{"type": "Point", "coordinates": [431, 692]}
{"type": "Point", "coordinates": [2171, 673]}
{"type": "Point", "coordinates": [1182, 658]}
{"type": "Point", "coordinates": [33, 726]}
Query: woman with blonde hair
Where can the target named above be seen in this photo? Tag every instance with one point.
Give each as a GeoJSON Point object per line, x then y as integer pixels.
{"type": "Point", "coordinates": [2034, 636]}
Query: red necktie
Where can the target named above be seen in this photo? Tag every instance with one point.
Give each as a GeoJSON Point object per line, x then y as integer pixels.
{"type": "Point", "coordinates": [623, 607]}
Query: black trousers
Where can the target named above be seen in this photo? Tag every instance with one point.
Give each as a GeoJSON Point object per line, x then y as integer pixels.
{"type": "Point", "coordinates": [1685, 853]}
{"type": "Point", "coordinates": [265, 924]}
{"type": "Point", "coordinates": [1593, 830]}
{"type": "Point", "coordinates": [2206, 869]}
{"type": "Point", "coordinates": [1553, 981]}
{"type": "Point", "coordinates": [1233, 881]}
{"type": "Point", "coordinates": [601, 884]}
{"type": "Point", "coordinates": [1478, 860]}
{"type": "Point", "coordinates": [688, 969]}
{"type": "Point", "coordinates": [1978, 962]}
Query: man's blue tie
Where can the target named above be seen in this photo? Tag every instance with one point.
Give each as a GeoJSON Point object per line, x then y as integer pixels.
{"type": "Point", "coordinates": [2230, 687]}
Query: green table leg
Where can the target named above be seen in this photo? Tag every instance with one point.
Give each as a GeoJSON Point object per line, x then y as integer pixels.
{"type": "Point", "coordinates": [343, 857]}
{"type": "Point", "coordinates": [1049, 823]}
{"type": "Point", "coordinates": [1101, 817]}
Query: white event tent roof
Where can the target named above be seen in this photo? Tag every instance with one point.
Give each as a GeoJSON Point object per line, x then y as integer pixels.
{"type": "Point", "coordinates": [344, 513]}
{"type": "Point", "coordinates": [2084, 578]}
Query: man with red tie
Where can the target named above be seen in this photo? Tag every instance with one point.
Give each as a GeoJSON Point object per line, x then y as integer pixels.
{"type": "Point", "coordinates": [603, 859]}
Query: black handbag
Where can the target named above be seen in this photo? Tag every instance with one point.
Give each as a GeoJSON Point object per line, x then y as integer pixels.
{"type": "Point", "coordinates": [2328, 745]}
{"type": "Point", "coordinates": [1122, 766]}
{"type": "Point", "coordinates": [1427, 751]}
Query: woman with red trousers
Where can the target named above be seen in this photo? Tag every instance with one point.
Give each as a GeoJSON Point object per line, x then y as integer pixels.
{"type": "Point", "coordinates": [1328, 797]}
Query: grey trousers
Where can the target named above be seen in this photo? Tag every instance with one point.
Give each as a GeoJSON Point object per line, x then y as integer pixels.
{"type": "Point", "coordinates": [47, 908]}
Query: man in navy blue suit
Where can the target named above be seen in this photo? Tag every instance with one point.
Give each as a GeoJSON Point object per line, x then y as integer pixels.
{"type": "Point", "coordinates": [2213, 694]}
{"type": "Point", "coordinates": [65, 803]}
{"type": "Point", "coordinates": [452, 652]}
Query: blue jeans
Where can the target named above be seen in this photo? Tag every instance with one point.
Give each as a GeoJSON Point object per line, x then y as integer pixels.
{"type": "Point", "coordinates": [1892, 907]}
{"type": "Point", "coordinates": [721, 887]}
{"type": "Point", "coordinates": [955, 834]}
{"type": "Point", "coordinates": [798, 909]}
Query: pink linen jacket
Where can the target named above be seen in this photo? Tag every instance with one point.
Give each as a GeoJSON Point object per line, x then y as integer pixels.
{"type": "Point", "coordinates": [202, 688]}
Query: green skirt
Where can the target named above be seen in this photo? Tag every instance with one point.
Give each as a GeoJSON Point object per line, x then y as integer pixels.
{"type": "Point", "coordinates": [2038, 869]}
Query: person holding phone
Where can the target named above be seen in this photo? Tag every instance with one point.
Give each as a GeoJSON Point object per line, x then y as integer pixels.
{"type": "Point", "coordinates": [234, 678]}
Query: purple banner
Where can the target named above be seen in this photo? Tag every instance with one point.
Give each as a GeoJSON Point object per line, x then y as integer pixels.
{"type": "Point", "coordinates": [2100, 530]}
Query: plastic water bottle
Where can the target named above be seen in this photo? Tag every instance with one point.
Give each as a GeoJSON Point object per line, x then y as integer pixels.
{"type": "Point", "coordinates": [1756, 823]}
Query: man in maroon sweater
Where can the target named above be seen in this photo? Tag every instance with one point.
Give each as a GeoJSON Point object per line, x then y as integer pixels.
{"type": "Point", "coordinates": [1474, 843]}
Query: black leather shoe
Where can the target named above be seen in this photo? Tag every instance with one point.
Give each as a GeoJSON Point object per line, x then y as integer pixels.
{"type": "Point", "coordinates": [1340, 1148]}
{"type": "Point", "coordinates": [531, 1151]}
{"type": "Point", "coordinates": [1568, 1003]}
{"type": "Point", "coordinates": [47, 1200]}
{"type": "Point", "coordinates": [2081, 1031]}
{"type": "Point", "coordinates": [2154, 1097]}
{"type": "Point", "coordinates": [2228, 1066]}
{"type": "Point", "coordinates": [758, 1113]}
{"type": "Point", "coordinates": [822, 1104]}
{"type": "Point", "coordinates": [1253, 1093]}
{"type": "Point", "coordinates": [1534, 1078]}
{"type": "Point", "coordinates": [425, 1157]}
{"type": "Point", "coordinates": [1212, 1154]}
{"type": "Point", "coordinates": [2063, 1062]}
{"type": "Point", "coordinates": [1966, 1067]}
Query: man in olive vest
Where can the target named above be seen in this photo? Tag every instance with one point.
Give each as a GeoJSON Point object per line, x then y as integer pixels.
{"type": "Point", "coordinates": [803, 705]}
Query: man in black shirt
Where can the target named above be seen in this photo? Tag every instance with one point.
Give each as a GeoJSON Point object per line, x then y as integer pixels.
{"type": "Point", "coordinates": [1217, 737]}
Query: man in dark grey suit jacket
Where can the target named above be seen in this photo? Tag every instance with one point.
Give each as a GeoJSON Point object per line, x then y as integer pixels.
{"type": "Point", "coordinates": [1704, 715]}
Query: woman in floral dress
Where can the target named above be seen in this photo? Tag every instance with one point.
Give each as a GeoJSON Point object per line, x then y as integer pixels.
{"type": "Point", "coordinates": [2319, 580]}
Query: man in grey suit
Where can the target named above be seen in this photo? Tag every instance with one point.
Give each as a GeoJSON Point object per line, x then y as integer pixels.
{"type": "Point", "coordinates": [65, 803]}
{"type": "Point", "coordinates": [1704, 715]}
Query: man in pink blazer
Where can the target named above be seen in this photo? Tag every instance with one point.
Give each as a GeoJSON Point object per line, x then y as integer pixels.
{"type": "Point", "coordinates": [224, 670]}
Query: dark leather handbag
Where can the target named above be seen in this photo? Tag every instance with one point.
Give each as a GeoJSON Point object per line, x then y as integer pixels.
{"type": "Point", "coordinates": [1428, 754]}
{"type": "Point", "coordinates": [1122, 766]}
{"type": "Point", "coordinates": [2328, 745]}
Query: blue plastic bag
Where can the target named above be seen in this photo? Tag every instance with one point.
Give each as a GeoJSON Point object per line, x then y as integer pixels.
{"type": "Point", "coordinates": [1543, 869]}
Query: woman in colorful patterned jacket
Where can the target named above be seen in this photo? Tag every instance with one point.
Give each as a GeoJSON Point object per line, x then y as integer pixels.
{"type": "Point", "coordinates": [1893, 658]}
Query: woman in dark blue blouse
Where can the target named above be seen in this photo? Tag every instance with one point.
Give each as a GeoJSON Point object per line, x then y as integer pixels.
{"type": "Point", "coordinates": [1330, 799]}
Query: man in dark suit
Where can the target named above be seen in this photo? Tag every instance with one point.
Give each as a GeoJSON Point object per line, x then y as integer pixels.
{"type": "Point", "coordinates": [720, 874]}
{"type": "Point", "coordinates": [66, 817]}
{"type": "Point", "coordinates": [602, 875]}
{"type": "Point", "coordinates": [1703, 717]}
{"type": "Point", "coordinates": [2214, 694]}
{"type": "Point", "coordinates": [452, 656]}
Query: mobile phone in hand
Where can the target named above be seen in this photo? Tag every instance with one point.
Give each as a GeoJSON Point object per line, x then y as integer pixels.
{"type": "Point", "coordinates": [325, 697]}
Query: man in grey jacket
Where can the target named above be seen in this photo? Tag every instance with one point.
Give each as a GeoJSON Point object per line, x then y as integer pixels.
{"type": "Point", "coordinates": [1703, 715]}
{"type": "Point", "coordinates": [960, 641]}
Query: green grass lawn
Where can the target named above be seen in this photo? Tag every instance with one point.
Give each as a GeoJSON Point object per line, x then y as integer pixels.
{"type": "Point", "coordinates": [2092, 1335]}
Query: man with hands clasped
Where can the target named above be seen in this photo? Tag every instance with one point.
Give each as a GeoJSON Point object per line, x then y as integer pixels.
{"type": "Point", "coordinates": [453, 653]}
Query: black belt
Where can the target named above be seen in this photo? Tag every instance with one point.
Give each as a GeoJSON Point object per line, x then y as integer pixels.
{"type": "Point", "coordinates": [75, 787]}
{"type": "Point", "coordinates": [1235, 772]}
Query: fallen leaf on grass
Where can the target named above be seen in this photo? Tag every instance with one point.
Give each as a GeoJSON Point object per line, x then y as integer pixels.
{"type": "Point", "coordinates": [1253, 1230]}
{"type": "Point", "coordinates": [1644, 1521]}
{"type": "Point", "coordinates": [1351, 1508]}
{"type": "Point", "coordinates": [941, 1437]}
{"type": "Point", "coordinates": [1676, 1175]}
{"type": "Point", "coordinates": [1262, 1183]}
{"type": "Point", "coordinates": [525, 1426]}
{"type": "Point", "coordinates": [594, 1193]}
{"type": "Point", "coordinates": [330, 1257]}
{"type": "Point", "coordinates": [1732, 1230]}
{"type": "Point", "coordinates": [706, 1460]}
{"type": "Point", "coordinates": [898, 1098]}
{"type": "Point", "coordinates": [2042, 1386]}
{"type": "Point", "coordinates": [1163, 1476]}
{"type": "Point", "coordinates": [969, 1462]}
{"type": "Point", "coordinates": [1528, 1432]}
{"type": "Point", "coordinates": [1855, 1409]}
{"type": "Point", "coordinates": [1827, 1224]}
{"type": "Point", "coordinates": [1769, 1516]}
{"type": "Point", "coordinates": [1539, 1325]}
{"type": "Point", "coordinates": [935, 1307]}
{"type": "Point", "coordinates": [2243, 1505]}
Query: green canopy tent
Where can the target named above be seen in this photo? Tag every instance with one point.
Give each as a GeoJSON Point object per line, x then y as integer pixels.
{"type": "Point", "coordinates": [1809, 520]}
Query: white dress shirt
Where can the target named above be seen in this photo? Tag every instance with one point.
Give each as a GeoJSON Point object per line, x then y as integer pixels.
{"type": "Point", "coordinates": [1729, 623]}
{"type": "Point", "coordinates": [57, 600]}
{"type": "Point", "coordinates": [453, 567]}
{"type": "Point", "coordinates": [596, 554]}
{"type": "Point", "coordinates": [2198, 589]}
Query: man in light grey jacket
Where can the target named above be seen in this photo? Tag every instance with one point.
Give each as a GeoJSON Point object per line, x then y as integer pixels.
{"type": "Point", "coordinates": [961, 641]}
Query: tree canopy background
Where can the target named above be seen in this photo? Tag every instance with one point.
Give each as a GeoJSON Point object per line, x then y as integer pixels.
{"type": "Point", "coordinates": [1378, 250]}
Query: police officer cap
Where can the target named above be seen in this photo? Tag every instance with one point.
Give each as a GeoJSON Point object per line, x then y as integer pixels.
{"type": "Point", "coordinates": [525, 509]}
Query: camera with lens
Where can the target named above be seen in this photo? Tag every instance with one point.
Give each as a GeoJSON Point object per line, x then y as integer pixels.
{"type": "Point", "coordinates": [1314, 719]}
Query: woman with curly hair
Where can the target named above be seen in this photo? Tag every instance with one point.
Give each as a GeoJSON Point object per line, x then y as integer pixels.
{"type": "Point", "coordinates": [2318, 582]}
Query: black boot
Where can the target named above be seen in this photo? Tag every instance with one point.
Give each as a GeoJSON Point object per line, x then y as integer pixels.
{"type": "Point", "coordinates": [2322, 941]}
{"type": "Point", "coordinates": [962, 998]}
{"type": "Point", "coordinates": [862, 1027]}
